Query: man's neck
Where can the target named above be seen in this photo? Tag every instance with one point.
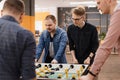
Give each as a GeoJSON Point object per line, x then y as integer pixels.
{"type": "Point", "coordinates": [52, 33]}
{"type": "Point", "coordinates": [11, 14]}
{"type": "Point", "coordinates": [81, 25]}
{"type": "Point", "coordinates": [113, 7]}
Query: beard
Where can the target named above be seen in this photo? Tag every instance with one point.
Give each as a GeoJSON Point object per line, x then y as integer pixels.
{"type": "Point", "coordinates": [51, 30]}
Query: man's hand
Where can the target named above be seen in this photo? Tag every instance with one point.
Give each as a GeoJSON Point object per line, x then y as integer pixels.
{"type": "Point", "coordinates": [75, 61]}
{"type": "Point", "coordinates": [54, 61]}
{"type": "Point", "coordinates": [87, 61]}
{"type": "Point", "coordinates": [36, 60]}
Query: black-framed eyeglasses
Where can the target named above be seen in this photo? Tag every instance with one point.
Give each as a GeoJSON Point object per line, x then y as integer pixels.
{"type": "Point", "coordinates": [76, 19]}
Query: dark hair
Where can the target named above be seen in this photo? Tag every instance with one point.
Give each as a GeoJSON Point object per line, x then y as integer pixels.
{"type": "Point", "coordinates": [52, 17]}
{"type": "Point", "coordinates": [15, 6]}
{"type": "Point", "coordinates": [80, 10]}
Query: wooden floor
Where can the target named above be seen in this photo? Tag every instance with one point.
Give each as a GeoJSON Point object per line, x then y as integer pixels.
{"type": "Point", "coordinates": [111, 69]}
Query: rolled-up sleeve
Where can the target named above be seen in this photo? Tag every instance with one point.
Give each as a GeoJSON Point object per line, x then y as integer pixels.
{"type": "Point", "coordinates": [112, 37]}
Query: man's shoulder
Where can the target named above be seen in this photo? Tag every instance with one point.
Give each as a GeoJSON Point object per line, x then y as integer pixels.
{"type": "Point", "coordinates": [91, 26]}
{"type": "Point", "coordinates": [24, 31]}
{"type": "Point", "coordinates": [12, 27]}
{"type": "Point", "coordinates": [60, 29]}
{"type": "Point", "coordinates": [45, 32]}
{"type": "Point", "coordinates": [72, 26]}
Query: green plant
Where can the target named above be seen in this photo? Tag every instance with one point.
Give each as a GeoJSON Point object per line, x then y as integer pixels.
{"type": "Point", "coordinates": [102, 35]}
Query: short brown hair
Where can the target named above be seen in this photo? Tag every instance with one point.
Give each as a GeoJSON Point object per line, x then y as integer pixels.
{"type": "Point", "coordinates": [80, 10]}
{"type": "Point", "coordinates": [52, 17]}
{"type": "Point", "coordinates": [15, 6]}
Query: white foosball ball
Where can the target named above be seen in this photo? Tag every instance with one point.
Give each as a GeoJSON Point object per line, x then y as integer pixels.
{"type": "Point", "coordinates": [46, 71]}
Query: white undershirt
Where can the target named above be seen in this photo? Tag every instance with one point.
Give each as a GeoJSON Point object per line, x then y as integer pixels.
{"type": "Point", "coordinates": [51, 49]}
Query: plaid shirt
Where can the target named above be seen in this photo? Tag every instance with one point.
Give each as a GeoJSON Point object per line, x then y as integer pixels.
{"type": "Point", "coordinates": [17, 50]}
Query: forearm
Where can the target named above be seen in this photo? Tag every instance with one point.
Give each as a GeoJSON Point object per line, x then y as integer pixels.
{"type": "Point", "coordinates": [99, 60]}
{"type": "Point", "coordinates": [105, 49]}
{"type": "Point", "coordinates": [73, 54]}
{"type": "Point", "coordinates": [60, 53]}
{"type": "Point", "coordinates": [39, 50]}
{"type": "Point", "coordinates": [38, 54]}
{"type": "Point", "coordinates": [40, 46]}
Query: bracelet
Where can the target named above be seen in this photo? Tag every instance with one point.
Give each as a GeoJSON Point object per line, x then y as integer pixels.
{"type": "Point", "coordinates": [91, 73]}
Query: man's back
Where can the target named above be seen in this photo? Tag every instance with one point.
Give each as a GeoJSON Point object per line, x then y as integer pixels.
{"type": "Point", "coordinates": [17, 48]}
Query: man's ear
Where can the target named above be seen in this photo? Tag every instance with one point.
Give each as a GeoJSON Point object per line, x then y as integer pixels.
{"type": "Point", "coordinates": [1, 12]}
{"type": "Point", "coordinates": [84, 17]}
{"type": "Point", "coordinates": [21, 17]}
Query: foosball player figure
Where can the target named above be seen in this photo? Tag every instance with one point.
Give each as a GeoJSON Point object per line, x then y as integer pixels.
{"type": "Point", "coordinates": [40, 75]}
{"type": "Point", "coordinates": [81, 69]}
{"type": "Point", "coordinates": [41, 70]}
{"type": "Point", "coordinates": [37, 73]}
{"type": "Point", "coordinates": [71, 67]}
{"type": "Point", "coordinates": [49, 70]}
{"type": "Point", "coordinates": [59, 76]}
{"type": "Point", "coordinates": [78, 73]}
{"type": "Point", "coordinates": [45, 67]}
{"type": "Point", "coordinates": [66, 72]}
{"type": "Point", "coordinates": [73, 77]}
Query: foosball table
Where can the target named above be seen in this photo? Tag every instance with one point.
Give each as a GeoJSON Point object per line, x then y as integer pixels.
{"type": "Point", "coordinates": [46, 71]}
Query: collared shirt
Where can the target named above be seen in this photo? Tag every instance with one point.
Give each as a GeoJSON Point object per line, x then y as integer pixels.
{"type": "Point", "coordinates": [17, 50]}
{"type": "Point", "coordinates": [59, 44]}
{"type": "Point", "coordinates": [111, 40]}
{"type": "Point", "coordinates": [83, 40]}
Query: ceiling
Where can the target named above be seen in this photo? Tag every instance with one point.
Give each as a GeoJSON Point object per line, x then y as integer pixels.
{"type": "Point", "coordinates": [57, 3]}
{"type": "Point", "coordinates": [60, 3]}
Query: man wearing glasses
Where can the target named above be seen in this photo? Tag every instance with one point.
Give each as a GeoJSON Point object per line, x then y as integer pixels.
{"type": "Point", "coordinates": [83, 37]}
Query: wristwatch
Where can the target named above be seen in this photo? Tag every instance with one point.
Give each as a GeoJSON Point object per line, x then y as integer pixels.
{"type": "Point", "coordinates": [91, 73]}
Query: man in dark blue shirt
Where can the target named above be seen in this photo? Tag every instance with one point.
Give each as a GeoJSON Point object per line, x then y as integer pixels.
{"type": "Point", "coordinates": [17, 45]}
{"type": "Point", "coordinates": [83, 37]}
